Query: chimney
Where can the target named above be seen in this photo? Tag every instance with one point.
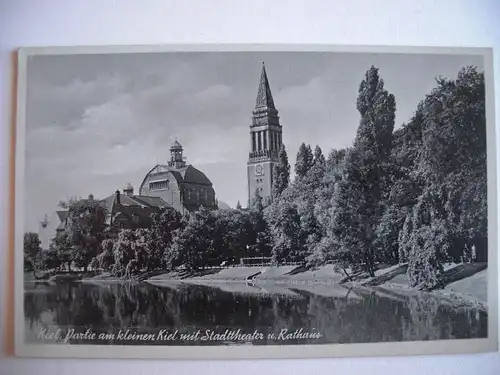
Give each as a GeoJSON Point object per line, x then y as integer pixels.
{"type": "Point", "coordinates": [117, 196]}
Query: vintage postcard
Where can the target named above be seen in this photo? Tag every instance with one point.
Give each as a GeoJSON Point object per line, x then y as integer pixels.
{"type": "Point", "coordinates": [253, 201]}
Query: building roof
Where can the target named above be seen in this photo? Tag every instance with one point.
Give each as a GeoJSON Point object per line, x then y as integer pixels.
{"type": "Point", "coordinates": [176, 145]}
{"type": "Point", "coordinates": [264, 95]}
{"type": "Point", "coordinates": [134, 201]}
{"type": "Point", "coordinates": [62, 215]}
{"type": "Point", "coordinates": [151, 201]}
{"type": "Point", "coordinates": [188, 174]}
{"type": "Point", "coordinates": [195, 176]}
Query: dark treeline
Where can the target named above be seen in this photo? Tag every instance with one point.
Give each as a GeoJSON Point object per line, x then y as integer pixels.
{"type": "Point", "coordinates": [416, 195]}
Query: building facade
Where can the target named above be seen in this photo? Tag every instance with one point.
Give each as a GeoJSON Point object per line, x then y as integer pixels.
{"type": "Point", "coordinates": [181, 185]}
{"type": "Point", "coordinates": [265, 143]}
{"type": "Point", "coordinates": [128, 211]}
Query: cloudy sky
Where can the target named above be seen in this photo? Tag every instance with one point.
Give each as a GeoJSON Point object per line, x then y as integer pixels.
{"type": "Point", "coordinates": [96, 122]}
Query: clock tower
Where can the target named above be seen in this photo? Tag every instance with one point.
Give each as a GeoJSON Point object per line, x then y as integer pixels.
{"type": "Point", "coordinates": [265, 143]}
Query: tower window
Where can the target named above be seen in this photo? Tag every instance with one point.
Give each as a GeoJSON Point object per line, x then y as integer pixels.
{"type": "Point", "coordinates": [159, 185]}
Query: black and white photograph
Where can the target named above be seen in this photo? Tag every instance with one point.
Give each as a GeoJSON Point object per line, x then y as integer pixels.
{"type": "Point", "coordinates": [255, 202]}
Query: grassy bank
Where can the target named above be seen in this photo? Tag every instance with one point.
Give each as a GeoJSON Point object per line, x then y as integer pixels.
{"type": "Point", "coordinates": [463, 284]}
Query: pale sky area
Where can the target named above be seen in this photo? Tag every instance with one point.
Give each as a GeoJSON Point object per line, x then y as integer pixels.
{"type": "Point", "coordinates": [96, 122]}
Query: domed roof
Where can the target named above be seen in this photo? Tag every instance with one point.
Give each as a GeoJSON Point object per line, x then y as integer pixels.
{"type": "Point", "coordinates": [191, 175]}
{"type": "Point", "coordinates": [128, 187]}
{"type": "Point", "coordinates": [188, 174]}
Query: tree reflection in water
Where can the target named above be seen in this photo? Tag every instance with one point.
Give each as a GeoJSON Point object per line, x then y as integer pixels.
{"type": "Point", "coordinates": [355, 317]}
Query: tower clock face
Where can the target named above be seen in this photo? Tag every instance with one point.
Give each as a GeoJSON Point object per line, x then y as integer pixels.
{"type": "Point", "coordinates": [259, 170]}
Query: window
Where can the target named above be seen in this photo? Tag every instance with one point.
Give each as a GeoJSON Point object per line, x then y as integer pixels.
{"type": "Point", "coordinates": [159, 185]}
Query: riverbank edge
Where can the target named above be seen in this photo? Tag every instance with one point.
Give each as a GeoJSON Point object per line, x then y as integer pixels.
{"type": "Point", "coordinates": [456, 299]}
{"type": "Point", "coordinates": [380, 284]}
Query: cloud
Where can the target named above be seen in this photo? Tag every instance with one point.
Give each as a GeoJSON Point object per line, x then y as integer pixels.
{"type": "Point", "coordinates": [97, 122]}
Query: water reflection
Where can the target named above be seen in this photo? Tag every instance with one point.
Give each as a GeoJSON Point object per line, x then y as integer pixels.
{"type": "Point", "coordinates": [340, 315]}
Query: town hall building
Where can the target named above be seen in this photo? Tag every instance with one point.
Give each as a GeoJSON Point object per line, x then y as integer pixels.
{"type": "Point", "coordinates": [265, 143]}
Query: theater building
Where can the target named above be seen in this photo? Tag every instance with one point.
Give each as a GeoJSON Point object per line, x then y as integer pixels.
{"type": "Point", "coordinates": [179, 184]}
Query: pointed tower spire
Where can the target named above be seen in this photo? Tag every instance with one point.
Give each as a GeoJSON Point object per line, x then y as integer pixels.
{"type": "Point", "coordinates": [264, 96]}
{"type": "Point", "coordinates": [265, 142]}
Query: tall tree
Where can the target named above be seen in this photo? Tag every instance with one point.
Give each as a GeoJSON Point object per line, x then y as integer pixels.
{"type": "Point", "coordinates": [315, 175]}
{"type": "Point", "coordinates": [449, 220]}
{"type": "Point", "coordinates": [32, 250]}
{"type": "Point", "coordinates": [285, 230]}
{"type": "Point", "coordinates": [261, 236]}
{"type": "Point", "coordinates": [124, 252]}
{"type": "Point", "coordinates": [311, 232]}
{"type": "Point", "coordinates": [428, 242]}
{"type": "Point", "coordinates": [194, 242]}
{"type": "Point", "coordinates": [304, 160]}
{"type": "Point", "coordinates": [453, 157]}
{"type": "Point", "coordinates": [62, 246]}
{"type": "Point", "coordinates": [86, 226]}
{"type": "Point", "coordinates": [281, 173]}
{"type": "Point", "coordinates": [358, 207]}
{"type": "Point", "coordinates": [160, 236]}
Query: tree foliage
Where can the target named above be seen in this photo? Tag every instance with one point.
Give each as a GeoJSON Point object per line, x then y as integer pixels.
{"type": "Point", "coordinates": [32, 251]}
{"type": "Point", "coordinates": [86, 228]}
{"type": "Point", "coordinates": [304, 160]}
{"type": "Point", "coordinates": [417, 195]}
{"type": "Point", "coordinates": [281, 173]}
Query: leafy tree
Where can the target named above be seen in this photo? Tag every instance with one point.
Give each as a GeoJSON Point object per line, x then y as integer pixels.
{"type": "Point", "coordinates": [236, 231]}
{"type": "Point", "coordinates": [311, 232]}
{"type": "Point", "coordinates": [49, 259]}
{"type": "Point", "coordinates": [332, 175]}
{"type": "Point", "coordinates": [144, 257]}
{"type": "Point", "coordinates": [427, 244]}
{"type": "Point", "coordinates": [32, 250]}
{"type": "Point", "coordinates": [160, 237]}
{"type": "Point", "coordinates": [304, 160]}
{"type": "Point", "coordinates": [124, 252]}
{"type": "Point", "coordinates": [401, 198]}
{"type": "Point", "coordinates": [105, 259]}
{"type": "Point", "coordinates": [377, 108]}
{"type": "Point", "coordinates": [357, 201]}
{"type": "Point", "coordinates": [281, 173]}
{"type": "Point", "coordinates": [351, 227]}
{"type": "Point", "coordinates": [86, 228]}
{"type": "Point", "coordinates": [285, 230]}
{"type": "Point", "coordinates": [319, 158]}
{"type": "Point", "coordinates": [193, 243]}
{"type": "Point", "coordinates": [261, 240]}
{"type": "Point", "coordinates": [314, 178]}
{"type": "Point", "coordinates": [453, 156]}
{"type": "Point", "coordinates": [62, 247]}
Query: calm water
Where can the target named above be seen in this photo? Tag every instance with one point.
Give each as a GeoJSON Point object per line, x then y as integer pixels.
{"type": "Point", "coordinates": [57, 312]}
